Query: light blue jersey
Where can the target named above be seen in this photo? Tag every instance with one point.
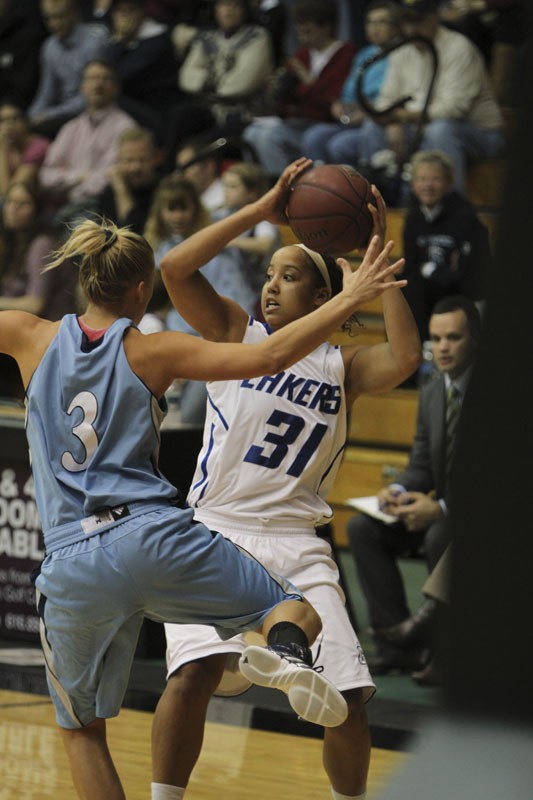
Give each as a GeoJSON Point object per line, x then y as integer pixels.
{"type": "Point", "coordinates": [88, 412]}
{"type": "Point", "coordinates": [118, 550]}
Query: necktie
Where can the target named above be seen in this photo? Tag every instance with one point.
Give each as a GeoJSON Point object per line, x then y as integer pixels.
{"type": "Point", "coordinates": [453, 407]}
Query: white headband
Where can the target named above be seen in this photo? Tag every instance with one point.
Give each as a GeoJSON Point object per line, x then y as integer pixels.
{"type": "Point", "coordinates": [319, 263]}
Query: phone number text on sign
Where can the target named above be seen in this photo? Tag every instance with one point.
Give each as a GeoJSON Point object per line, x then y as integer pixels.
{"type": "Point", "coordinates": [21, 550]}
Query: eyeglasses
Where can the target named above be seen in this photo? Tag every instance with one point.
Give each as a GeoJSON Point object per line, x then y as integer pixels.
{"type": "Point", "coordinates": [11, 118]}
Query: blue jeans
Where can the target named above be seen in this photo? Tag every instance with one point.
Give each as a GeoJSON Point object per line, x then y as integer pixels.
{"type": "Point", "coordinates": [460, 140]}
{"type": "Point", "coordinates": [277, 142]}
{"type": "Point", "coordinates": [316, 140]}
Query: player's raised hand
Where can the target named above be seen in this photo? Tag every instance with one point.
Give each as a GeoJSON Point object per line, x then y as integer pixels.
{"type": "Point", "coordinates": [375, 274]}
{"type": "Point", "coordinates": [274, 202]}
{"type": "Point", "coordinates": [378, 209]}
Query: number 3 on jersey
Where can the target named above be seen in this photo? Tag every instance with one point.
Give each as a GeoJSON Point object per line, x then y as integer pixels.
{"type": "Point", "coordinates": [84, 431]}
{"type": "Point", "coordinates": [282, 440]}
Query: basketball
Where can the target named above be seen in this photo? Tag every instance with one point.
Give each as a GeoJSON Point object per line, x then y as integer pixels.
{"type": "Point", "coordinates": [327, 209]}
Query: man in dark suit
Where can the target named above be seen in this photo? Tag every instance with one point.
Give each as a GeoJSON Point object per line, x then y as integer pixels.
{"type": "Point", "coordinates": [419, 500]}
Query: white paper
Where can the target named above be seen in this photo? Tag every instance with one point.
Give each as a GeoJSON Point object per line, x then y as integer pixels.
{"type": "Point", "coordinates": [370, 505]}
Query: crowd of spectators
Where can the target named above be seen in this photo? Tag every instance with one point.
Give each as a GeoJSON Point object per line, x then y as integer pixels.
{"type": "Point", "coordinates": [165, 115]}
{"type": "Point", "coordinates": [101, 100]}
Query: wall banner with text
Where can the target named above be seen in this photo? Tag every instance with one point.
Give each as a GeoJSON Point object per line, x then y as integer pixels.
{"type": "Point", "coordinates": [21, 551]}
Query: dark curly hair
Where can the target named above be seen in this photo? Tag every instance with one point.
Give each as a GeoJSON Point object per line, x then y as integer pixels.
{"type": "Point", "coordinates": [335, 276]}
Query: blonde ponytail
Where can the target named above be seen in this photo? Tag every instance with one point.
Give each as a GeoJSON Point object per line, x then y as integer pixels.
{"type": "Point", "coordinates": [110, 259]}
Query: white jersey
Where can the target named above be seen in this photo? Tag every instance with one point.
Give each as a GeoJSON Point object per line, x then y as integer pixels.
{"type": "Point", "coordinates": [266, 489]}
{"type": "Point", "coordinates": [287, 435]}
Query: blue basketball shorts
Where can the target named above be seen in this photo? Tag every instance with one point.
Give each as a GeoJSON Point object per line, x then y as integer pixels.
{"type": "Point", "coordinates": [93, 595]}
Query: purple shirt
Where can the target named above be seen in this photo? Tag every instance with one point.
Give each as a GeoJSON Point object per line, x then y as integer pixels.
{"type": "Point", "coordinates": [35, 151]}
{"type": "Point", "coordinates": [33, 154]}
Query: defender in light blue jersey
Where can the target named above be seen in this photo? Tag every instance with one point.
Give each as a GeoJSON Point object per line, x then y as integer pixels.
{"type": "Point", "coordinates": [272, 446]}
{"type": "Point", "coordinates": [118, 546]}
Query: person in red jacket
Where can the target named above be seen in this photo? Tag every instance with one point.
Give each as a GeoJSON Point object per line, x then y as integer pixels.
{"type": "Point", "coordinates": [304, 88]}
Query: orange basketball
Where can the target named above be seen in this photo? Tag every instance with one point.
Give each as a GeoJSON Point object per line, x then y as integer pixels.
{"type": "Point", "coordinates": [328, 210]}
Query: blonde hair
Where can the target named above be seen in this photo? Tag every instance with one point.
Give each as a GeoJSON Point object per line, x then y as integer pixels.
{"type": "Point", "coordinates": [137, 134]}
{"type": "Point", "coordinates": [174, 191]}
{"type": "Point", "coordinates": [110, 259]}
{"type": "Point", "coordinates": [252, 176]}
{"type": "Point", "coordinates": [436, 158]}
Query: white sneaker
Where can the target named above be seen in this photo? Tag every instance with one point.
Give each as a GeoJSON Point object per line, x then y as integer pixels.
{"type": "Point", "coordinates": [311, 695]}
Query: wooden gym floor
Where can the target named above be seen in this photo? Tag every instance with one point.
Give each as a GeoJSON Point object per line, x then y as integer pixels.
{"type": "Point", "coordinates": [255, 747]}
{"type": "Point", "coordinates": [236, 762]}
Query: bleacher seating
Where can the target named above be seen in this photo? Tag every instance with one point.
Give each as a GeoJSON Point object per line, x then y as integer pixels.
{"type": "Point", "coordinates": [385, 420]}
{"type": "Point", "coordinates": [363, 472]}
{"type": "Point", "coordinates": [380, 434]}
{"type": "Point", "coordinates": [485, 184]}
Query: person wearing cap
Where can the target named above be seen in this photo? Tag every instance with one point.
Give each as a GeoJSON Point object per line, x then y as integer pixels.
{"type": "Point", "coordinates": [462, 118]}
{"type": "Point", "coordinates": [266, 487]}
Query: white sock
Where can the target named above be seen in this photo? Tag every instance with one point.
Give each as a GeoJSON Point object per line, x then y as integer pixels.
{"type": "Point", "coordinates": [339, 796]}
{"type": "Point", "coordinates": [163, 791]}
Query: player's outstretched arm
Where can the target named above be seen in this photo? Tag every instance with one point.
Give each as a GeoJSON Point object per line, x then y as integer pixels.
{"type": "Point", "coordinates": [213, 316]}
{"type": "Point", "coordinates": [167, 355]}
{"type": "Point", "coordinates": [25, 337]}
{"type": "Point", "coordinates": [295, 340]}
{"type": "Point", "coordinates": [187, 257]}
{"type": "Point", "coordinates": [403, 349]}
{"type": "Point", "coordinates": [382, 367]}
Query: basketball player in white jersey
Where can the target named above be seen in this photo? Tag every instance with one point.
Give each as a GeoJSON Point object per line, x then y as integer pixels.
{"type": "Point", "coordinates": [272, 446]}
{"type": "Point", "coordinates": [119, 546]}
